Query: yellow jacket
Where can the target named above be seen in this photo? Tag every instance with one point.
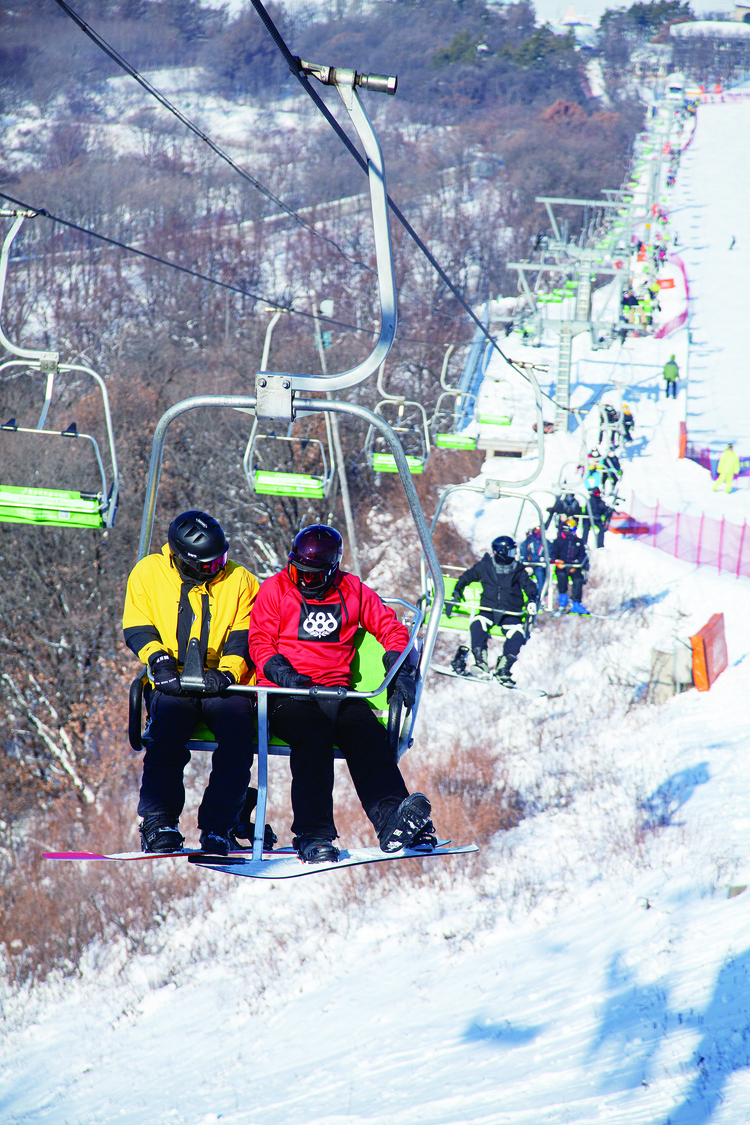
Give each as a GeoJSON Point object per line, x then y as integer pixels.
{"type": "Point", "coordinates": [729, 463]}
{"type": "Point", "coordinates": [220, 614]}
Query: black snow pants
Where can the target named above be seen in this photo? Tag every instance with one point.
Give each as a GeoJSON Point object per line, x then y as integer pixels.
{"type": "Point", "coordinates": [364, 743]}
{"type": "Point", "coordinates": [513, 632]}
{"type": "Point", "coordinates": [576, 581]}
{"type": "Point", "coordinates": [173, 720]}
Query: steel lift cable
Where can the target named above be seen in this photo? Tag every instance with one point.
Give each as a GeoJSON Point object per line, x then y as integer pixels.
{"type": "Point", "coordinates": [117, 58]}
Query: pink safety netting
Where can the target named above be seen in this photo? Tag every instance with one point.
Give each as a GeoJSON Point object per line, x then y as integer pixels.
{"type": "Point", "coordinates": [701, 540]}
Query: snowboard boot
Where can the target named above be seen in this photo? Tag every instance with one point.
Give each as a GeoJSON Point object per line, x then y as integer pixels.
{"type": "Point", "coordinates": [426, 839]}
{"type": "Point", "coordinates": [502, 671]}
{"type": "Point", "coordinates": [580, 609]}
{"type": "Point", "coordinates": [562, 601]}
{"type": "Point", "coordinates": [215, 843]}
{"type": "Point", "coordinates": [159, 833]}
{"type": "Point", "coordinates": [458, 663]}
{"type": "Point", "coordinates": [247, 832]}
{"type": "Point", "coordinates": [245, 828]}
{"type": "Point", "coordinates": [313, 849]}
{"type": "Point", "coordinates": [405, 823]}
{"type": "Point", "coordinates": [481, 668]}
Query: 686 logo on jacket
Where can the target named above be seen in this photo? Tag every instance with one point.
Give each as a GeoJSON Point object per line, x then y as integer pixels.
{"type": "Point", "coordinates": [322, 624]}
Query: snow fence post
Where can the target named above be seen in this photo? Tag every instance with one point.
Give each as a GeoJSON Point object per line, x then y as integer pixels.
{"type": "Point", "coordinates": [721, 541]}
{"type": "Point", "coordinates": [739, 552]}
{"type": "Point", "coordinates": [700, 540]}
{"type": "Point", "coordinates": [677, 537]}
{"type": "Point", "coordinates": [682, 441]}
{"type": "Point", "coordinates": [656, 521]}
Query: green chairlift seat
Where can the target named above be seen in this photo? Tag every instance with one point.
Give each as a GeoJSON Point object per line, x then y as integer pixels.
{"type": "Point", "coordinates": [466, 610]}
{"type": "Point", "coordinates": [289, 484]}
{"type": "Point", "coordinates": [55, 507]}
{"type": "Point", "coordinates": [495, 419]}
{"type": "Point", "coordinates": [386, 463]}
{"type": "Point", "coordinates": [455, 441]}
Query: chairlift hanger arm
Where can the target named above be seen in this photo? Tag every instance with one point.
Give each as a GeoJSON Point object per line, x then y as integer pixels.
{"type": "Point", "coordinates": [345, 82]}
{"type": "Point", "coordinates": [48, 359]}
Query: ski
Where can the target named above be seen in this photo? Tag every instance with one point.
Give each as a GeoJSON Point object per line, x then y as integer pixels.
{"type": "Point", "coordinates": [535, 693]}
{"type": "Point", "coordinates": [278, 866]}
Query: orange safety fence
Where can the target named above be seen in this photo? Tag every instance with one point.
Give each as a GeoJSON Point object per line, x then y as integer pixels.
{"type": "Point", "coordinates": [709, 653]}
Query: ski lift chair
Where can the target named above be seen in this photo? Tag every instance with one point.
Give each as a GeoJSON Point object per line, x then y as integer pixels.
{"type": "Point", "coordinates": [451, 437]}
{"type": "Point", "coordinates": [412, 427]}
{"type": "Point", "coordinates": [447, 426]}
{"type": "Point", "coordinates": [275, 482]}
{"type": "Point", "coordinates": [502, 413]}
{"type": "Point", "coordinates": [53, 507]}
{"type": "Point", "coordinates": [465, 611]}
{"type": "Point", "coordinates": [278, 397]}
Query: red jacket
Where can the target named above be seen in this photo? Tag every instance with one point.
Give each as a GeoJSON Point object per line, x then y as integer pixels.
{"type": "Point", "coordinates": [317, 637]}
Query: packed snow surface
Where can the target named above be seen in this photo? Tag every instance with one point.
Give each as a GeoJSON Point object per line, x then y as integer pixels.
{"type": "Point", "coordinates": [594, 969]}
{"type": "Point", "coordinates": [713, 225]}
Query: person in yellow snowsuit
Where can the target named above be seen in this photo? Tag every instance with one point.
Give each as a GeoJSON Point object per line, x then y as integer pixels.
{"type": "Point", "coordinates": [190, 594]}
{"type": "Point", "coordinates": [729, 466]}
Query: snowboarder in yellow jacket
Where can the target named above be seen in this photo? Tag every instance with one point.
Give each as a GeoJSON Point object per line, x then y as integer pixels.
{"type": "Point", "coordinates": [729, 466]}
{"type": "Point", "coordinates": [190, 594]}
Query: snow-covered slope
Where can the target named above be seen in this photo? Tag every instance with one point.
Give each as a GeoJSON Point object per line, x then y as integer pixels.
{"type": "Point", "coordinates": [590, 966]}
{"type": "Point", "coordinates": [711, 217]}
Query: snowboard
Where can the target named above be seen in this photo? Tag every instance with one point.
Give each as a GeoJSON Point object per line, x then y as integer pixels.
{"type": "Point", "coordinates": [286, 866]}
{"type": "Point", "coordinates": [281, 863]}
{"type": "Point", "coordinates": [535, 693]}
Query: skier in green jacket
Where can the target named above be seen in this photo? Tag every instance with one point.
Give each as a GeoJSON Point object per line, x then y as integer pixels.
{"type": "Point", "coordinates": [671, 375]}
{"type": "Point", "coordinates": [729, 466]}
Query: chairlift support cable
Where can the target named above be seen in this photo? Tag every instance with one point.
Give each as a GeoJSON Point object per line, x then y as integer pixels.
{"type": "Point", "coordinates": [272, 302]}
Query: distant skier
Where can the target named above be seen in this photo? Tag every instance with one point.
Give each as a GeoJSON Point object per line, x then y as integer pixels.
{"type": "Point", "coordinates": [611, 471]}
{"type": "Point", "coordinates": [728, 468]}
{"type": "Point", "coordinates": [302, 632]}
{"type": "Point", "coordinates": [570, 559]}
{"type": "Point", "coordinates": [531, 552]}
{"type": "Point", "coordinates": [608, 419]}
{"type": "Point", "coordinates": [732, 243]}
{"type": "Point", "coordinates": [508, 594]}
{"type": "Point", "coordinates": [600, 514]}
{"type": "Point", "coordinates": [564, 506]}
{"type": "Point", "coordinates": [671, 375]}
{"type": "Point", "coordinates": [628, 422]}
{"type": "Point", "coordinates": [190, 589]}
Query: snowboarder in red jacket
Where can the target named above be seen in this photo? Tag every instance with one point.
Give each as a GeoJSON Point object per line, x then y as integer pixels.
{"type": "Point", "coordinates": [302, 631]}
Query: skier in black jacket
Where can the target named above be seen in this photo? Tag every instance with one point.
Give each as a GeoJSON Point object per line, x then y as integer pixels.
{"type": "Point", "coordinates": [564, 507]}
{"type": "Point", "coordinates": [508, 593]}
{"type": "Point", "coordinates": [600, 515]}
{"type": "Point", "coordinates": [568, 555]}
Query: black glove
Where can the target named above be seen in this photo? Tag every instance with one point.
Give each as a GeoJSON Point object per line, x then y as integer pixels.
{"type": "Point", "coordinates": [214, 681]}
{"type": "Point", "coordinates": [279, 671]}
{"type": "Point", "coordinates": [405, 681]}
{"type": "Point", "coordinates": [164, 671]}
{"type": "Point", "coordinates": [448, 608]}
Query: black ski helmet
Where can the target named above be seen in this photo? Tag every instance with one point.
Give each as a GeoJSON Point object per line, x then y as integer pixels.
{"type": "Point", "coordinates": [198, 545]}
{"type": "Point", "coordinates": [314, 559]}
{"type": "Point", "coordinates": [504, 548]}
